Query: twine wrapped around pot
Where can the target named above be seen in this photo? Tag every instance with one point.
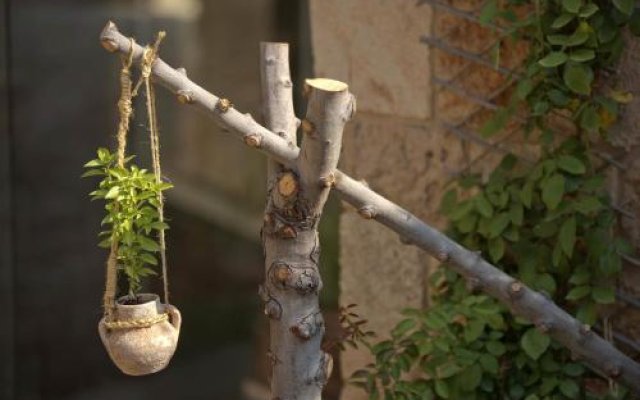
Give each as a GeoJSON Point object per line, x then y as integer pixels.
{"type": "Point", "coordinates": [140, 338]}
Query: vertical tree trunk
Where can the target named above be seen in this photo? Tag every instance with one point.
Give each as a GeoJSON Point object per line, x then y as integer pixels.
{"type": "Point", "coordinates": [296, 197]}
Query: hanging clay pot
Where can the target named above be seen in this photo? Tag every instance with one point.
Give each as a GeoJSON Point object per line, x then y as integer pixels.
{"type": "Point", "coordinates": [136, 342]}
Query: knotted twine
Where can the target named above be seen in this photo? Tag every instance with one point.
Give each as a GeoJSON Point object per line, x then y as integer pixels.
{"type": "Point", "coordinates": [125, 110]}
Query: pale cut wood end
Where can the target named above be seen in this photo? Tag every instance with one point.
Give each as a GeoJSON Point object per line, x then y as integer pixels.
{"type": "Point", "coordinates": [327, 85]}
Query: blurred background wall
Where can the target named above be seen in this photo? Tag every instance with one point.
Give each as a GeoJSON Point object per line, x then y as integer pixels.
{"type": "Point", "coordinates": [58, 104]}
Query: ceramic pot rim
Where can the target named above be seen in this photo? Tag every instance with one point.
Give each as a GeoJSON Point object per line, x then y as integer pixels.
{"type": "Point", "coordinates": [145, 297]}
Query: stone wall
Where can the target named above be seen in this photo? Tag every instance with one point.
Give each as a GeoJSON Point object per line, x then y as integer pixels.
{"type": "Point", "coordinates": [374, 47]}
{"type": "Point", "coordinates": [419, 112]}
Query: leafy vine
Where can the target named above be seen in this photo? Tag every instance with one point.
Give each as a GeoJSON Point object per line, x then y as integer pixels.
{"type": "Point", "coordinates": [547, 221]}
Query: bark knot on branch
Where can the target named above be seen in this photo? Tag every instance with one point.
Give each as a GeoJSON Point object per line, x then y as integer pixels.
{"type": "Point", "coordinates": [307, 327]}
{"type": "Point", "coordinates": [304, 279]}
{"type": "Point", "coordinates": [223, 105]}
{"type": "Point", "coordinates": [367, 212]}
{"type": "Point", "coordinates": [184, 96]}
{"type": "Point", "coordinates": [253, 140]}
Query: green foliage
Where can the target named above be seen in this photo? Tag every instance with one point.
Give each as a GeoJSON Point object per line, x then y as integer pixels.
{"type": "Point", "coordinates": [470, 345]}
{"type": "Point", "coordinates": [132, 218]}
{"type": "Point", "coordinates": [549, 223]}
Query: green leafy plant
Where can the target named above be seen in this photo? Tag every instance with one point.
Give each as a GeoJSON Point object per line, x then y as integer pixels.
{"type": "Point", "coordinates": [548, 222]}
{"type": "Point", "coordinates": [132, 220]}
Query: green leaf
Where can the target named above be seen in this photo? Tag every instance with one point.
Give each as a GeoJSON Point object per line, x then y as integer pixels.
{"type": "Point", "coordinates": [473, 330]}
{"type": "Point", "coordinates": [526, 195]}
{"type": "Point", "coordinates": [580, 276]}
{"type": "Point", "coordinates": [495, 123]}
{"type": "Point", "coordinates": [524, 88]}
{"type": "Point", "coordinates": [624, 6]}
{"type": "Point", "coordinates": [146, 272]}
{"type": "Point", "coordinates": [587, 313]}
{"type": "Point", "coordinates": [460, 210]}
{"type": "Point", "coordinates": [534, 343]}
{"type": "Point", "coordinates": [562, 20]}
{"type": "Point", "coordinates": [489, 363]}
{"type": "Point", "coordinates": [103, 154]}
{"type": "Point", "coordinates": [483, 206]}
{"type": "Point", "coordinates": [488, 12]}
{"type": "Point", "coordinates": [149, 259]}
{"type": "Point", "coordinates": [548, 384]}
{"type": "Point", "coordinates": [496, 348]}
{"type": "Point", "coordinates": [93, 163]}
{"type": "Point", "coordinates": [498, 224]}
{"type": "Point", "coordinates": [553, 190]}
{"type": "Point", "coordinates": [587, 205]}
{"type": "Point", "coordinates": [570, 389]}
{"type": "Point", "coordinates": [403, 327]}
{"type": "Point", "coordinates": [558, 98]}
{"type": "Point", "coordinates": [92, 172]}
{"type": "Point", "coordinates": [545, 283]}
{"type": "Point", "coordinates": [164, 186]}
{"type": "Point", "coordinates": [588, 10]}
{"type": "Point", "coordinates": [575, 39]}
{"type": "Point", "coordinates": [112, 193]}
{"type": "Point", "coordinates": [496, 248]}
{"type": "Point", "coordinates": [567, 236]}
{"type": "Point", "coordinates": [578, 292]}
{"type": "Point", "coordinates": [471, 376]}
{"type": "Point", "coordinates": [578, 78]}
{"type": "Point", "coordinates": [603, 295]}
{"type": "Point", "coordinates": [582, 55]}
{"type": "Point", "coordinates": [448, 370]}
{"type": "Point", "coordinates": [621, 96]}
{"type": "Point", "coordinates": [571, 164]}
{"type": "Point", "coordinates": [541, 108]}
{"type": "Point", "coordinates": [554, 59]}
{"type": "Point", "coordinates": [589, 119]}
{"type": "Point", "coordinates": [572, 6]}
{"type": "Point", "coordinates": [578, 38]}
{"type": "Point", "coordinates": [442, 389]}
{"type": "Point", "coordinates": [573, 369]}
{"type": "Point", "coordinates": [157, 225]}
{"type": "Point", "coordinates": [449, 200]}
{"type": "Point", "coordinates": [559, 40]}
{"type": "Point", "coordinates": [148, 244]}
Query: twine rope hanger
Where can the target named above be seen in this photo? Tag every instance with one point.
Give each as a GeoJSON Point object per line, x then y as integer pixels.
{"type": "Point", "coordinates": [125, 110]}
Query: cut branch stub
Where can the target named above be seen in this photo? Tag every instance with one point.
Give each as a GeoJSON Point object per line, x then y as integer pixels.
{"type": "Point", "coordinates": [330, 107]}
{"type": "Point", "coordinates": [287, 185]}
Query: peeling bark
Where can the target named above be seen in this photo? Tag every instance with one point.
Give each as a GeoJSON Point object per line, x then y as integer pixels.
{"type": "Point", "coordinates": [312, 168]}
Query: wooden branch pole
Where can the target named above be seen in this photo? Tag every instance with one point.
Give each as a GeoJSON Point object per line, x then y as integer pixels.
{"type": "Point", "coordinates": [296, 196]}
{"type": "Point", "coordinates": [302, 186]}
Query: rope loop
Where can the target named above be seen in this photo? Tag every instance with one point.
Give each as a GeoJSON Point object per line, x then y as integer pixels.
{"type": "Point", "coordinates": [125, 110]}
{"type": "Point", "coordinates": [137, 323]}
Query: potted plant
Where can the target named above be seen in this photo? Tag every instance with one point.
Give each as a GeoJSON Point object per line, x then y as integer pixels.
{"type": "Point", "coordinates": [139, 332]}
